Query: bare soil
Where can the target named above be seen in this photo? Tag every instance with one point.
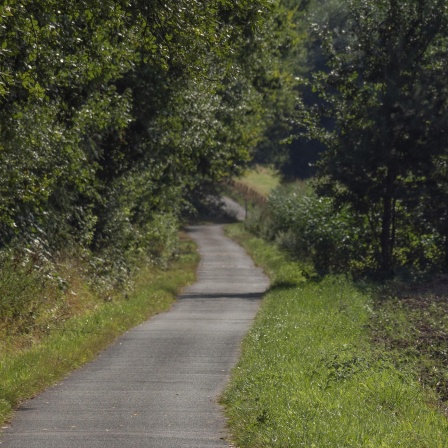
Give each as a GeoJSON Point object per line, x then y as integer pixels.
{"type": "Point", "coordinates": [412, 322]}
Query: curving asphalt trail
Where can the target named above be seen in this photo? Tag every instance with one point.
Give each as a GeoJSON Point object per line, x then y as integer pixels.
{"type": "Point", "coordinates": [157, 386]}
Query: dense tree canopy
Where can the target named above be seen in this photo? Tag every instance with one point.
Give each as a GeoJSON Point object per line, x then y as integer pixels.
{"type": "Point", "coordinates": [113, 111]}
{"type": "Point", "coordinates": [382, 116]}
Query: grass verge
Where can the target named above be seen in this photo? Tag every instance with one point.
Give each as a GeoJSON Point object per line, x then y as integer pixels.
{"type": "Point", "coordinates": [23, 373]}
{"type": "Point", "coordinates": [310, 375]}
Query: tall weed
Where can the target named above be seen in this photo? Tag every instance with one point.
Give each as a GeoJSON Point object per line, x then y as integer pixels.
{"type": "Point", "coordinates": [126, 246]}
{"type": "Point", "coordinates": [40, 291]}
{"type": "Point", "coordinates": [28, 282]}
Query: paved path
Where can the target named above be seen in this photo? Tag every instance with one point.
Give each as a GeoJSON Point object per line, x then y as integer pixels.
{"type": "Point", "coordinates": [157, 386]}
{"type": "Point", "coordinates": [232, 208]}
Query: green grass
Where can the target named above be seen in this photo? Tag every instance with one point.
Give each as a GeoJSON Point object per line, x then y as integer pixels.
{"type": "Point", "coordinates": [309, 375]}
{"type": "Point", "coordinates": [28, 371]}
{"type": "Point", "coordinates": [261, 179]}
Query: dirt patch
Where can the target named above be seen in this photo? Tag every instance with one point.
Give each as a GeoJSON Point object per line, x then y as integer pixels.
{"type": "Point", "coordinates": [434, 288]}
{"type": "Point", "coordinates": [412, 323]}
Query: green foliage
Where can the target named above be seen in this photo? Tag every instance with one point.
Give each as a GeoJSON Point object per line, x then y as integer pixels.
{"type": "Point", "coordinates": [336, 238]}
{"type": "Point", "coordinates": [381, 114]}
{"type": "Point", "coordinates": [302, 226]}
{"type": "Point", "coordinates": [113, 112]}
{"type": "Point", "coordinates": [274, 71]}
{"type": "Point", "coordinates": [313, 230]}
{"type": "Point", "coordinates": [300, 55]}
{"type": "Point", "coordinates": [93, 92]}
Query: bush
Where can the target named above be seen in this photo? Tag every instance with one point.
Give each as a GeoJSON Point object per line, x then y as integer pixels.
{"type": "Point", "coordinates": [311, 228]}
{"type": "Point", "coordinates": [337, 238]}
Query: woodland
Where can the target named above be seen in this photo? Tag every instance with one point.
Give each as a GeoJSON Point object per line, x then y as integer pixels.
{"type": "Point", "coordinates": [114, 113]}
{"type": "Point", "coordinates": [116, 117]}
{"type": "Point", "coordinates": [119, 118]}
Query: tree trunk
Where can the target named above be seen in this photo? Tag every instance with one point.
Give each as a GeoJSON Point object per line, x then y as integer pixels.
{"type": "Point", "coordinates": [445, 249]}
{"type": "Point", "coordinates": [445, 255]}
{"type": "Point", "coordinates": [386, 240]}
{"type": "Point", "coordinates": [387, 224]}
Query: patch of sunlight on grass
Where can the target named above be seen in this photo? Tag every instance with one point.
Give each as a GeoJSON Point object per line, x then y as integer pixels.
{"type": "Point", "coordinates": [261, 179]}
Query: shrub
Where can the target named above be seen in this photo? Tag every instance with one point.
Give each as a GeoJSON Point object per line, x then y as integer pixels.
{"type": "Point", "coordinates": [337, 238]}
{"type": "Point", "coordinates": [313, 229]}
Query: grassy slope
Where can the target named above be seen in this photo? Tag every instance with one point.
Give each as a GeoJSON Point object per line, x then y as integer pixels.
{"type": "Point", "coordinates": [310, 376]}
{"type": "Point", "coordinates": [25, 372]}
{"type": "Point", "coordinates": [261, 179]}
